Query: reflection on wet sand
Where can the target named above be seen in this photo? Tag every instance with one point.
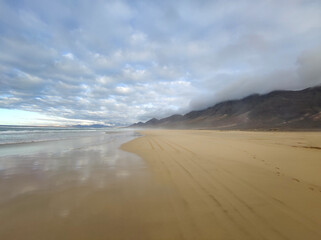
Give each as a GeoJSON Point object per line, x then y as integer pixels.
{"type": "Point", "coordinates": [86, 190]}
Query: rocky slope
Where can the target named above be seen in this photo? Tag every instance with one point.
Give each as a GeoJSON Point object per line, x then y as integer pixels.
{"type": "Point", "coordinates": [275, 110]}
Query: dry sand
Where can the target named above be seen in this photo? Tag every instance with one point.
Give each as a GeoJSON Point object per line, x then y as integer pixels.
{"type": "Point", "coordinates": [229, 185]}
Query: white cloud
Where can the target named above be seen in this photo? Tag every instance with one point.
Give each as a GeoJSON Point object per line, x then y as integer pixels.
{"type": "Point", "coordinates": [122, 90]}
{"type": "Point", "coordinates": [69, 56]}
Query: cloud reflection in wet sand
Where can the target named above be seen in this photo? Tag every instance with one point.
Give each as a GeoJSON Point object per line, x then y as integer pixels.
{"type": "Point", "coordinates": [76, 189]}
{"type": "Point", "coordinates": [90, 165]}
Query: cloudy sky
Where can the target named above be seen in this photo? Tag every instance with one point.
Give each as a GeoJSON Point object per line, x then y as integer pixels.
{"type": "Point", "coordinates": [118, 62]}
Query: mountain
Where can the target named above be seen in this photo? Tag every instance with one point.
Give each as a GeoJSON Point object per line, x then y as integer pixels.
{"type": "Point", "coordinates": [273, 111]}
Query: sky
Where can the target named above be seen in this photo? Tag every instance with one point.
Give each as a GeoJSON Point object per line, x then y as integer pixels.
{"type": "Point", "coordinates": [119, 62]}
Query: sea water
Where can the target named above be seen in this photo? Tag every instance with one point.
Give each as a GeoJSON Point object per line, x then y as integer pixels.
{"type": "Point", "coordinates": [27, 134]}
{"type": "Point", "coordinates": [25, 140]}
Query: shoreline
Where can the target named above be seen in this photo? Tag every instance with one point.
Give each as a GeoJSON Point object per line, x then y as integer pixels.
{"type": "Point", "coordinates": [79, 189]}
{"type": "Point", "coordinates": [237, 184]}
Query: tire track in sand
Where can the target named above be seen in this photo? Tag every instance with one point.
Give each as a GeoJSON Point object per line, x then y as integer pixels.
{"type": "Point", "coordinates": [225, 213]}
{"type": "Point", "coordinates": [290, 212]}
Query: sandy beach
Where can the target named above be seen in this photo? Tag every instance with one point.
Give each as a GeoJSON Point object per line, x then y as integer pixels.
{"type": "Point", "coordinates": [231, 185]}
{"type": "Point", "coordinates": [178, 184]}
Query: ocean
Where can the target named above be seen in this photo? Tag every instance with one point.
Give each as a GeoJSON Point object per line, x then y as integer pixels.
{"type": "Point", "coordinates": [28, 134]}
{"type": "Point", "coordinates": [24, 140]}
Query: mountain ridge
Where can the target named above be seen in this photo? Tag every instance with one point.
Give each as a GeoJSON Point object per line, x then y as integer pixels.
{"type": "Point", "coordinates": [279, 109]}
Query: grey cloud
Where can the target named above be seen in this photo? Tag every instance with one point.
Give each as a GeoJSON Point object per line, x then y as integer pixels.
{"type": "Point", "coordinates": [305, 74]}
{"type": "Point", "coordinates": [309, 69]}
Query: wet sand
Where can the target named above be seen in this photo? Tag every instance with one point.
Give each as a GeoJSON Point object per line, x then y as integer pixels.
{"type": "Point", "coordinates": [83, 188]}
{"type": "Point", "coordinates": [231, 185]}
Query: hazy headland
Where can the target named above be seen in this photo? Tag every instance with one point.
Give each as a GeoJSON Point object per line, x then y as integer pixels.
{"type": "Point", "coordinates": [277, 110]}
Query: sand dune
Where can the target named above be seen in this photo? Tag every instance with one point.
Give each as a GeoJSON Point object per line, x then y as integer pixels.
{"type": "Point", "coordinates": [232, 185]}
